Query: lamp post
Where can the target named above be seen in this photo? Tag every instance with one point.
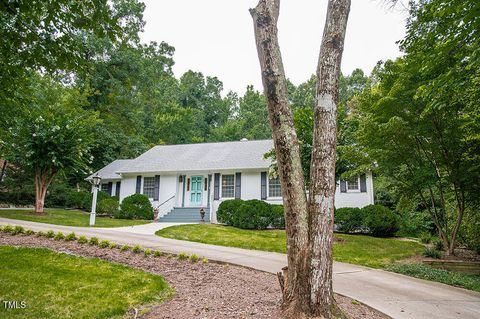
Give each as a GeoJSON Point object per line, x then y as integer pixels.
{"type": "Point", "coordinates": [95, 182]}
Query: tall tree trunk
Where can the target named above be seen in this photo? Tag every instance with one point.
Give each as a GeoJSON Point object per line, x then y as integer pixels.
{"type": "Point", "coordinates": [287, 151]}
{"type": "Point", "coordinates": [322, 172]}
{"type": "Point", "coordinates": [307, 281]}
{"type": "Point", "coordinates": [4, 167]}
{"type": "Point", "coordinates": [43, 179]}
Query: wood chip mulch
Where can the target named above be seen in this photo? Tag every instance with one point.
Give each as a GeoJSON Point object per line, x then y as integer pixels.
{"type": "Point", "coordinates": [209, 290]}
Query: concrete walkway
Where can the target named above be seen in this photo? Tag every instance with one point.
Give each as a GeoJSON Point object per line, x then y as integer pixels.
{"type": "Point", "coordinates": [395, 295]}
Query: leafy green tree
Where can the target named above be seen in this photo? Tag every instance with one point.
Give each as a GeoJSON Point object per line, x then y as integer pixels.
{"type": "Point", "coordinates": [54, 135]}
{"type": "Point", "coordinates": [419, 119]}
{"type": "Point", "coordinates": [52, 35]}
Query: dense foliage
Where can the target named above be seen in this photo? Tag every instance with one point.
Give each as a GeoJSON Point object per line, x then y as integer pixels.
{"type": "Point", "coordinates": [136, 206]}
{"type": "Point", "coordinates": [420, 124]}
{"type": "Point", "coordinates": [250, 214]}
{"type": "Point", "coordinates": [375, 220]}
{"type": "Point", "coordinates": [108, 206]}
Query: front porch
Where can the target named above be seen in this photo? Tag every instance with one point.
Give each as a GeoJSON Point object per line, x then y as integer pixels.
{"type": "Point", "coordinates": [182, 197]}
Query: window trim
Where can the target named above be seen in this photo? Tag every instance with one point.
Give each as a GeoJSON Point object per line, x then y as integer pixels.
{"type": "Point", "coordinates": [152, 186]}
{"type": "Point", "coordinates": [232, 185]}
{"type": "Point", "coordinates": [353, 190]}
{"type": "Point", "coordinates": [268, 189]}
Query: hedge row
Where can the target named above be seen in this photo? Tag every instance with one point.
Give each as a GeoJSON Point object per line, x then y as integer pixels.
{"type": "Point", "coordinates": [136, 206]}
{"type": "Point", "coordinates": [375, 220]}
{"type": "Point", "coordinates": [250, 214]}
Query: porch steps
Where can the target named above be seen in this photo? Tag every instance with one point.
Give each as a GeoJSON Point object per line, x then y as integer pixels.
{"type": "Point", "coordinates": [185, 215]}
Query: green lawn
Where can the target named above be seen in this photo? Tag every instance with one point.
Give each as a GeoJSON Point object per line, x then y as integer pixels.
{"type": "Point", "coordinates": [56, 285]}
{"type": "Point", "coordinates": [67, 218]}
{"type": "Point", "coordinates": [354, 249]}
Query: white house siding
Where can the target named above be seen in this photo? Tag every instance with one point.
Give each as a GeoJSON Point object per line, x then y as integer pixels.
{"type": "Point", "coordinates": [250, 189]}
{"type": "Point", "coordinates": [129, 184]}
{"type": "Point", "coordinates": [355, 198]}
{"type": "Point", "coordinates": [168, 189]}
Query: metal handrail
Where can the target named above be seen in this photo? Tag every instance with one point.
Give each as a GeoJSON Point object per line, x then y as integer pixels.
{"type": "Point", "coordinates": [165, 202]}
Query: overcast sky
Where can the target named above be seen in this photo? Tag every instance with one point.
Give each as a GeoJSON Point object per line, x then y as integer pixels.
{"type": "Point", "coordinates": [216, 37]}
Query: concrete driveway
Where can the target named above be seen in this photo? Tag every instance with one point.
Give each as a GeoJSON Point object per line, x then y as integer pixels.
{"type": "Point", "coordinates": [396, 295]}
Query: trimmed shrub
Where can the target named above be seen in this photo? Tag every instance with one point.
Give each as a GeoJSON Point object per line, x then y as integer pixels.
{"type": "Point", "coordinates": [278, 217]}
{"type": "Point", "coordinates": [182, 256]}
{"type": "Point", "coordinates": [204, 260]}
{"type": "Point", "coordinates": [108, 206]}
{"type": "Point", "coordinates": [227, 210]}
{"type": "Point", "coordinates": [380, 221]}
{"type": "Point", "coordinates": [17, 230]}
{"type": "Point", "coordinates": [50, 234]}
{"type": "Point", "coordinates": [59, 236]}
{"type": "Point", "coordinates": [104, 244]}
{"type": "Point", "coordinates": [136, 249]}
{"type": "Point", "coordinates": [193, 258]}
{"type": "Point", "coordinates": [125, 248]}
{"type": "Point", "coordinates": [7, 229]}
{"type": "Point", "coordinates": [41, 234]}
{"type": "Point", "coordinates": [136, 206]}
{"type": "Point", "coordinates": [70, 236]}
{"type": "Point", "coordinates": [29, 232]}
{"type": "Point", "coordinates": [82, 240]}
{"type": "Point", "coordinates": [93, 241]}
{"type": "Point", "coordinates": [349, 220]}
{"type": "Point", "coordinates": [147, 252]}
{"type": "Point", "coordinates": [253, 214]}
{"type": "Point", "coordinates": [113, 245]}
{"type": "Point", "coordinates": [250, 214]}
{"type": "Point", "coordinates": [157, 253]}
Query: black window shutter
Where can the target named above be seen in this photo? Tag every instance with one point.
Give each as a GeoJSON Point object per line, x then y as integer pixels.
{"type": "Point", "coordinates": [263, 185]}
{"type": "Point", "coordinates": [156, 194]}
{"type": "Point", "coordinates": [109, 188]}
{"type": "Point", "coordinates": [139, 184]}
{"type": "Point", "coordinates": [238, 185]}
{"type": "Point", "coordinates": [117, 189]}
{"type": "Point", "coordinates": [363, 183]}
{"type": "Point", "coordinates": [216, 186]}
{"type": "Point", "coordinates": [343, 186]}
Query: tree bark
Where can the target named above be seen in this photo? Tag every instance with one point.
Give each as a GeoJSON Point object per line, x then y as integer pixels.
{"type": "Point", "coordinates": [43, 179]}
{"type": "Point", "coordinates": [4, 167]}
{"type": "Point", "coordinates": [287, 151]}
{"type": "Point", "coordinates": [307, 281]}
{"type": "Point", "coordinates": [322, 171]}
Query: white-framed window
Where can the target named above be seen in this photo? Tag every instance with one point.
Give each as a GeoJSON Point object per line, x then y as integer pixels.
{"type": "Point", "coordinates": [353, 184]}
{"type": "Point", "coordinates": [274, 187]}
{"type": "Point", "coordinates": [228, 186]}
{"type": "Point", "coordinates": [149, 186]}
{"type": "Point", "coordinates": [104, 188]}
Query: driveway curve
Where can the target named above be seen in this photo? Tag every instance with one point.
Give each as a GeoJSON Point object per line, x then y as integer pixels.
{"type": "Point", "coordinates": [396, 295]}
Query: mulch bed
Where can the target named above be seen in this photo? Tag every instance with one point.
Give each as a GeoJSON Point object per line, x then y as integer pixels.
{"type": "Point", "coordinates": [209, 290]}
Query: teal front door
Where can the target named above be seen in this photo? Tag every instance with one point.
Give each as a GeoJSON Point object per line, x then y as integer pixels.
{"type": "Point", "coordinates": [196, 190]}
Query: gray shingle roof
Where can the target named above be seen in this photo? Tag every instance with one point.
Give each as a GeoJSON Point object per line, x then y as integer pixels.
{"type": "Point", "coordinates": [109, 171]}
{"type": "Point", "coordinates": [203, 156]}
